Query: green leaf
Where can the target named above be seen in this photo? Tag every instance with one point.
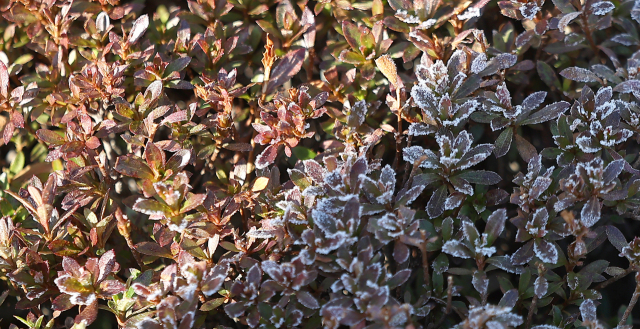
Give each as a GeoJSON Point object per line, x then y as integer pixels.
{"type": "Point", "coordinates": [17, 164]}
{"type": "Point", "coordinates": [548, 75]}
{"type": "Point", "coordinates": [303, 153]}
{"type": "Point", "coordinates": [503, 143]}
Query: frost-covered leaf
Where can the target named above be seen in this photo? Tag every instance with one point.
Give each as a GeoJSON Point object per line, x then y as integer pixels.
{"type": "Point", "coordinates": [602, 8]}
{"type": "Point", "coordinates": [140, 25]}
{"type": "Point", "coordinates": [579, 74]}
{"type": "Point", "coordinates": [588, 310]}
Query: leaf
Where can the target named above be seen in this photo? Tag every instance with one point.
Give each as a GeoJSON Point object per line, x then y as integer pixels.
{"type": "Point", "coordinates": [588, 310]}
{"type": "Point", "coordinates": [579, 74]}
{"type": "Point", "coordinates": [106, 264]}
{"type": "Point", "coordinates": [303, 153]}
{"type": "Point", "coordinates": [137, 30]}
{"type": "Point", "coordinates": [590, 213]}
{"type": "Point", "coordinates": [260, 184]}
{"type": "Point", "coordinates": [612, 170]}
{"type": "Point", "coordinates": [481, 177]}
{"type": "Point", "coordinates": [503, 143]}
{"type": "Point", "coordinates": [17, 164]}
{"type": "Point", "coordinates": [548, 75]}
{"type": "Point", "coordinates": [132, 166]}
{"type": "Point", "coordinates": [267, 157]}
{"type": "Point", "coordinates": [151, 207]}
{"type": "Point", "coordinates": [177, 65]}
{"type": "Point", "coordinates": [549, 112]}
{"type": "Point", "coordinates": [351, 34]}
{"type": "Point", "coordinates": [435, 206]}
{"type": "Point", "coordinates": [629, 86]}
{"type": "Point", "coordinates": [306, 299]}
{"type": "Point", "coordinates": [212, 304]}
{"type": "Point", "coordinates": [4, 80]}
{"type": "Point", "coordinates": [526, 150]}
{"type": "Point", "coordinates": [89, 314]}
{"type": "Point", "coordinates": [495, 225]}
{"type": "Point", "coordinates": [102, 22]}
{"type": "Point", "coordinates": [388, 68]}
{"type": "Point", "coordinates": [153, 249]}
{"type": "Point", "coordinates": [616, 237]}
{"type": "Point", "coordinates": [287, 67]}
{"type": "Point", "coordinates": [192, 202]}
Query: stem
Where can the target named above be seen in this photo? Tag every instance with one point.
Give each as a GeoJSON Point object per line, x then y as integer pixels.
{"type": "Point", "coordinates": [614, 279]}
{"type": "Point", "coordinates": [587, 33]}
{"type": "Point", "coordinates": [632, 302]}
{"type": "Point", "coordinates": [531, 310]}
{"type": "Point", "coordinates": [425, 259]}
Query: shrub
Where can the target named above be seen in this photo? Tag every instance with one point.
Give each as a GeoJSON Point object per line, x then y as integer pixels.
{"type": "Point", "coordinates": [333, 163]}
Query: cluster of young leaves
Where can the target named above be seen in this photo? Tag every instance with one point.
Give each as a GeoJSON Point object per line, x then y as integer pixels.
{"type": "Point", "coordinates": [398, 201]}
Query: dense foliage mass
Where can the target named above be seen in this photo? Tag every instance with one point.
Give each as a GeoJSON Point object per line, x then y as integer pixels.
{"type": "Point", "coordinates": [331, 163]}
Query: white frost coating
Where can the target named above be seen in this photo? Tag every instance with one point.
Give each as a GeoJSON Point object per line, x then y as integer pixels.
{"type": "Point", "coordinates": [450, 248]}
{"type": "Point", "coordinates": [452, 202]}
{"type": "Point", "coordinates": [529, 10]}
{"type": "Point", "coordinates": [479, 63]}
{"type": "Point", "coordinates": [550, 257]}
{"type": "Point", "coordinates": [602, 8]}
{"type": "Point", "coordinates": [584, 144]}
{"type": "Point", "coordinates": [418, 129]}
{"type": "Point", "coordinates": [259, 233]}
{"type": "Point", "coordinates": [470, 13]}
{"type": "Point", "coordinates": [404, 16]}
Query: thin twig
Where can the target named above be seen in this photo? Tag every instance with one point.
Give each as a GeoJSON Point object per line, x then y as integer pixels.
{"type": "Point", "coordinates": [632, 302]}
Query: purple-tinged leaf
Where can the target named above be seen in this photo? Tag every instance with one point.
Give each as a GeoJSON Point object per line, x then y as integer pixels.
{"type": "Point", "coordinates": [287, 67]}
{"type": "Point", "coordinates": [616, 237]}
{"type": "Point", "coordinates": [307, 300]}
{"type": "Point", "coordinates": [435, 206]}
{"type": "Point", "coordinates": [132, 166]}
{"type": "Point", "coordinates": [579, 74]}
{"type": "Point", "coordinates": [612, 170]}
{"type": "Point", "coordinates": [153, 249]}
{"type": "Point", "coordinates": [495, 225]}
{"type": "Point", "coordinates": [140, 25]}
{"type": "Point", "coordinates": [267, 157]}
{"type": "Point", "coordinates": [590, 213]}
{"type": "Point", "coordinates": [106, 264]}
{"type": "Point", "coordinates": [540, 286]}
{"type": "Point", "coordinates": [549, 112]}
{"type": "Point", "coordinates": [524, 254]}
{"type": "Point", "coordinates": [509, 298]}
{"type": "Point", "coordinates": [177, 65]}
{"type": "Point", "coordinates": [588, 310]}
{"type": "Point", "coordinates": [50, 137]}
{"type": "Point", "coordinates": [527, 150]}
{"type": "Point", "coordinates": [4, 80]}
{"type": "Point", "coordinates": [481, 177]}
{"type": "Point", "coordinates": [629, 86]}
{"type": "Point", "coordinates": [545, 251]}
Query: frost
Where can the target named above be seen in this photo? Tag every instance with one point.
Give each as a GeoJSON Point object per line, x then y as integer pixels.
{"type": "Point", "coordinates": [404, 16]}
{"type": "Point", "coordinates": [418, 129]}
{"type": "Point", "coordinates": [602, 8]}
{"type": "Point", "coordinates": [470, 13]}
{"type": "Point", "coordinates": [454, 248]}
{"type": "Point", "coordinates": [541, 286]}
{"type": "Point", "coordinates": [588, 310]}
{"type": "Point", "coordinates": [479, 63]}
{"type": "Point", "coordinates": [259, 233]}
{"type": "Point", "coordinates": [529, 10]}
{"type": "Point", "coordinates": [546, 251]}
